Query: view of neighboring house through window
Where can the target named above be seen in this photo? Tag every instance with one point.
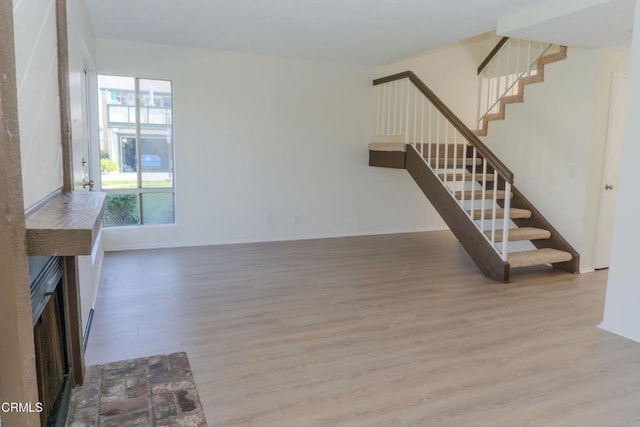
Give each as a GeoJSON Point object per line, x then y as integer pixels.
{"type": "Point", "coordinates": [136, 150]}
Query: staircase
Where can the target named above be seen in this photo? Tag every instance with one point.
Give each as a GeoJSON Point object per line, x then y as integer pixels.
{"type": "Point", "coordinates": [472, 190]}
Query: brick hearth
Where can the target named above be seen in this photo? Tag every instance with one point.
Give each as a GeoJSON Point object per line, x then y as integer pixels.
{"type": "Point", "coordinates": [156, 391]}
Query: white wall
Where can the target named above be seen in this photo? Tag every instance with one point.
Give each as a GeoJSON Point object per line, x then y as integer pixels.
{"type": "Point", "coordinates": [554, 140]}
{"type": "Point", "coordinates": [621, 314]}
{"type": "Point", "coordinates": [450, 72]}
{"type": "Point", "coordinates": [258, 135]}
{"type": "Point", "coordinates": [38, 105]}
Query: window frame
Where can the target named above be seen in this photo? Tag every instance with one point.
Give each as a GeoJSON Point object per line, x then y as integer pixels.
{"type": "Point", "coordinates": [137, 133]}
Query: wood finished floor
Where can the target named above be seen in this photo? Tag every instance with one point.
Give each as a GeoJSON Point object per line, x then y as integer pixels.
{"type": "Point", "coordinates": [395, 330]}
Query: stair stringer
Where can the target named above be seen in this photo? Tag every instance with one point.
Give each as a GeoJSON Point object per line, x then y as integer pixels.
{"type": "Point", "coordinates": [471, 239]}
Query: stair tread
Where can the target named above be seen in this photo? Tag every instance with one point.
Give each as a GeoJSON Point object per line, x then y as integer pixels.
{"type": "Point", "coordinates": [468, 176]}
{"type": "Point", "coordinates": [442, 145]}
{"type": "Point", "coordinates": [439, 149]}
{"type": "Point", "coordinates": [478, 194]}
{"type": "Point", "coordinates": [515, 213]}
{"type": "Point", "coordinates": [494, 116]}
{"type": "Point", "coordinates": [459, 161]}
{"type": "Point", "coordinates": [537, 257]}
{"type": "Point", "coordinates": [522, 233]}
{"type": "Point", "coordinates": [387, 146]}
{"type": "Point", "coordinates": [511, 99]}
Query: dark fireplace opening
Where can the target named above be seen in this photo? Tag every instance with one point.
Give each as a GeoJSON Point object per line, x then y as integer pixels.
{"type": "Point", "coordinates": [52, 360]}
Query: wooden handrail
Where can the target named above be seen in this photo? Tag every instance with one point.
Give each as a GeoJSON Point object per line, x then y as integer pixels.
{"type": "Point", "coordinates": [493, 53]}
{"type": "Point", "coordinates": [484, 151]}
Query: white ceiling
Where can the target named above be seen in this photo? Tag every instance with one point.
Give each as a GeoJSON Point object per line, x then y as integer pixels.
{"type": "Point", "coordinates": [352, 31]}
{"type": "Point", "coordinates": [578, 23]}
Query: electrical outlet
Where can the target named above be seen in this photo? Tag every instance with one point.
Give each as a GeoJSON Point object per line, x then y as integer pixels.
{"type": "Point", "coordinates": [268, 219]}
{"type": "Point", "coordinates": [296, 219]}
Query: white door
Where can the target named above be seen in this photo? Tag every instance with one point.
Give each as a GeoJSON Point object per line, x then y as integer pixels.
{"type": "Point", "coordinates": [89, 266]}
{"type": "Point", "coordinates": [609, 187]}
{"type": "Point", "coordinates": [82, 144]}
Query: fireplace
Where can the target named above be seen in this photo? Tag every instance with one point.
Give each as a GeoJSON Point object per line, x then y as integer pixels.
{"type": "Point", "coordinates": [52, 360]}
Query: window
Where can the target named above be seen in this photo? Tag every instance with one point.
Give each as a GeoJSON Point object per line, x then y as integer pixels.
{"type": "Point", "coordinates": [136, 150]}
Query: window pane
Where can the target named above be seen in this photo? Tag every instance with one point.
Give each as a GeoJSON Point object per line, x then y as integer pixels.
{"type": "Point", "coordinates": [158, 208]}
{"type": "Point", "coordinates": [136, 149]}
{"type": "Point", "coordinates": [117, 120]}
{"type": "Point", "coordinates": [156, 133]}
{"type": "Point", "coordinates": [121, 209]}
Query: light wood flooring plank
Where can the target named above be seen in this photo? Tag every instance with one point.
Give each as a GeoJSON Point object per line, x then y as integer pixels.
{"type": "Point", "coordinates": [392, 330]}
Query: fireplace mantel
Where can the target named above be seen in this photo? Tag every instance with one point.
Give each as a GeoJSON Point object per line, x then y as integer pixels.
{"type": "Point", "coordinates": [66, 224]}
